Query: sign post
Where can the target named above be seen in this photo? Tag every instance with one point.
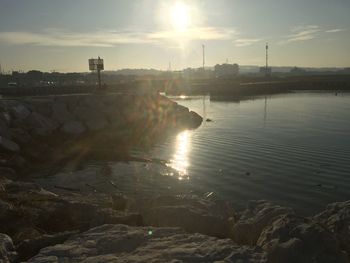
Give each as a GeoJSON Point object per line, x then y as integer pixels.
{"type": "Point", "coordinates": [97, 65]}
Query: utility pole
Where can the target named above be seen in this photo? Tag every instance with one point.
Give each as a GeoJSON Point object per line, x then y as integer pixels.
{"type": "Point", "coordinates": [203, 46]}
{"type": "Point", "coordinates": [267, 56]}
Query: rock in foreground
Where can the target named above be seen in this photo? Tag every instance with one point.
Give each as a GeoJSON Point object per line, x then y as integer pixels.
{"type": "Point", "coordinates": [120, 243]}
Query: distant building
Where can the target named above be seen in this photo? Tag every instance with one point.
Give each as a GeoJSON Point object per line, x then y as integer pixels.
{"type": "Point", "coordinates": [226, 70]}
{"type": "Point", "coordinates": [266, 71]}
{"type": "Point", "coordinates": [297, 71]}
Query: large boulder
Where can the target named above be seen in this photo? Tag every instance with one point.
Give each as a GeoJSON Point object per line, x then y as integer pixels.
{"type": "Point", "coordinates": [336, 218]}
{"type": "Point", "coordinates": [4, 129]}
{"type": "Point", "coordinates": [60, 113]}
{"type": "Point", "coordinates": [257, 216]}
{"type": "Point", "coordinates": [73, 128]}
{"type": "Point", "coordinates": [8, 145]}
{"type": "Point", "coordinates": [291, 238]}
{"type": "Point", "coordinates": [7, 250]}
{"type": "Point", "coordinates": [120, 243]}
{"type": "Point", "coordinates": [40, 125]}
{"type": "Point", "coordinates": [19, 111]}
{"type": "Point", "coordinates": [193, 214]}
{"type": "Point", "coordinates": [92, 118]}
{"type": "Point", "coordinates": [28, 211]}
{"type": "Point", "coordinates": [30, 247]}
{"type": "Point", "coordinates": [20, 136]}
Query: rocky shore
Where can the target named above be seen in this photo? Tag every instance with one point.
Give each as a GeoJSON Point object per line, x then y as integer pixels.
{"type": "Point", "coordinates": [39, 224]}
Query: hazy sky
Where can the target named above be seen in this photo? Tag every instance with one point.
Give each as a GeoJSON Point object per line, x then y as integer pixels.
{"type": "Point", "coordinates": [62, 34]}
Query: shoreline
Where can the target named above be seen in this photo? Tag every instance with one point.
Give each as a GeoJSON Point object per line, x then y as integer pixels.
{"type": "Point", "coordinates": [64, 223]}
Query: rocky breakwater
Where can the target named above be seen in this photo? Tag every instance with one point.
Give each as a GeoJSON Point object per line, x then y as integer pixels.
{"type": "Point", "coordinates": [264, 233]}
{"type": "Point", "coordinates": [53, 128]}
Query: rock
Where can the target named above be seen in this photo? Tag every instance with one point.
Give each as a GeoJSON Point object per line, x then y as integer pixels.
{"type": "Point", "coordinates": [196, 119]}
{"type": "Point", "coordinates": [73, 128]}
{"type": "Point", "coordinates": [336, 218]}
{"type": "Point", "coordinates": [98, 124]}
{"type": "Point", "coordinates": [41, 106]}
{"type": "Point", "coordinates": [120, 243]}
{"type": "Point", "coordinates": [20, 136]}
{"type": "Point", "coordinates": [27, 208]}
{"type": "Point", "coordinates": [30, 247]}
{"type": "Point", "coordinates": [93, 119]}
{"type": "Point", "coordinates": [8, 145]}
{"type": "Point", "coordinates": [7, 251]}
{"type": "Point", "coordinates": [193, 214]}
{"type": "Point", "coordinates": [254, 219]}
{"type": "Point", "coordinates": [19, 111]}
{"type": "Point", "coordinates": [7, 172]}
{"type": "Point", "coordinates": [4, 130]}
{"type": "Point", "coordinates": [40, 125]}
{"type": "Point", "coordinates": [60, 113]}
{"type": "Point", "coordinates": [292, 239]}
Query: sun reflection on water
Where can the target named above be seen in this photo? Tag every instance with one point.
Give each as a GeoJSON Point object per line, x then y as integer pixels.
{"type": "Point", "coordinates": [180, 162]}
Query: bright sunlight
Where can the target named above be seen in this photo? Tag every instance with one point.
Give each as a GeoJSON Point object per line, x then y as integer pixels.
{"type": "Point", "coordinates": [180, 16]}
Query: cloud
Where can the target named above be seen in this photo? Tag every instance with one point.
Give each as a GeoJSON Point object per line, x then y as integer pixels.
{"type": "Point", "coordinates": [302, 33]}
{"type": "Point", "coordinates": [336, 30]}
{"type": "Point", "coordinates": [59, 38]}
{"type": "Point", "coordinates": [244, 42]}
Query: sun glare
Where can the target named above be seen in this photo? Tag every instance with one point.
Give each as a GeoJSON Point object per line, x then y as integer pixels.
{"type": "Point", "coordinates": [180, 16]}
{"type": "Point", "coordinates": [180, 162]}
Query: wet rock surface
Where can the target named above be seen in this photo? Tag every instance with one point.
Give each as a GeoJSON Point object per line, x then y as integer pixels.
{"type": "Point", "coordinates": [191, 213]}
{"type": "Point", "coordinates": [336, 218]}
{"type": "Point", "coordinates": [252, 221]}
{"type": "Point", "coordinates": [120, 243]}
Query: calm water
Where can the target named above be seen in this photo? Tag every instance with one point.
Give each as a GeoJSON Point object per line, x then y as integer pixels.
{"type": "Point", "coordinates": [293, 149]}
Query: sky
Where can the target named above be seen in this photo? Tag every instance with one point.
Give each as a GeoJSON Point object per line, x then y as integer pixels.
{"type": "Point", "coordinates": [61, 35]}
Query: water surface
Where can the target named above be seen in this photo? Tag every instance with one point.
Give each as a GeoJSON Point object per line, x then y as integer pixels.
{"type": "Point", "coordinates": [293, 149]}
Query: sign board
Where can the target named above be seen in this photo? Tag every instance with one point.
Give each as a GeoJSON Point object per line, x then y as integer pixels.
{"type": "Point", "coordinates": [96, 64]}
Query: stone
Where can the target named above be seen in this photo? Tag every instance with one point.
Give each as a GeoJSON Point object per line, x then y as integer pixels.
{"type": "Point", "coordinates": [97, 124]}
{"type": "Point", "coordinates": [30, 247]}
{"type": "Point", "coordinates": [193, 214]}
{"type": "Point", "coordinates": [336, 218]}
{"type": "Point", "coordinates": [20, 136]}
{"type": "Point", "coordinates": [60, 113]}
{"type": "Point", "coordinates": [8, 145]}
{"type": "Point", "coordinates": [40, 125]}
{"type": "Point", "coordinates": [4, 129]}
{"type": "Point", "coordinates": [92, 118]}
{"type": "Point", "coordinates": [257, 216]}
{"type": "Point", "coordinates": [19, 111]}
{"type": "Point", "coordinates": [7, 250]}
{"type": "Point", "coordinates": [42, 106]}
{"type": "Point", "coordinates": [292, 238]}
{"type": "Point", "coordinates": [120, 243]}
{"type": "Point", "coordinates": [73, 128]}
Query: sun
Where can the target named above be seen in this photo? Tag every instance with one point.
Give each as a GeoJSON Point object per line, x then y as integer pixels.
{"type": "Point", "coordinates": [180, 16]}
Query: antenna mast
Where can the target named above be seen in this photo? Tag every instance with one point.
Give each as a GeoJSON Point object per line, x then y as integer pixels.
{"type": "Point", "coordinates": [203, 46]}
{"type": "Point", "coordinates": [267, 56]}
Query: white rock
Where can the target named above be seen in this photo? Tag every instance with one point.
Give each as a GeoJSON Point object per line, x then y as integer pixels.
{"type": "Point", "coordinates": [120, 243]}
{"type": "Point", "coordinates": [7, 251]}
{"type": "Point", "coordinates": [73, 128]}
{"type": "Point", "coordinates": [8, 145]}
